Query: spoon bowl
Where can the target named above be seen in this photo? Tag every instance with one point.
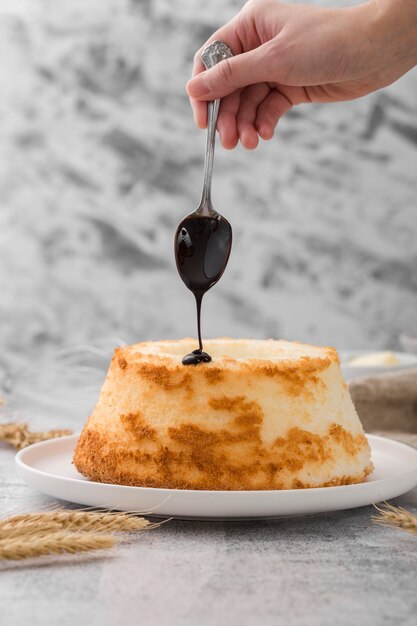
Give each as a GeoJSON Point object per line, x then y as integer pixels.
{"type": "Point", "coordinates": [203, 245]}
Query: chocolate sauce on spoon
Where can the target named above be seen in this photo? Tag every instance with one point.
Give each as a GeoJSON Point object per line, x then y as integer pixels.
{"type": "Point", "coordinates": [203, 239]}
{"type": "Point", "coordinates": [202, 249]}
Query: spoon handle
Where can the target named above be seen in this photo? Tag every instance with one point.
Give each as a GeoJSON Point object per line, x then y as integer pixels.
{"type": "Point", "coordinates": [212, 54]}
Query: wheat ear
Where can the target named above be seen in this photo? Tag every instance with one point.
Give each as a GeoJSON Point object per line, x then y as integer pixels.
{"type": "Point", "coordinates": [87, 521]}
{"type": "Point", "coordinates": [19, 435]}
{"type": "Point", "coordinates": [28, 529]}
{"type": "Point", "coordinates": [398, 517]}
{"type": "Point", "coordinates": [56, 543]}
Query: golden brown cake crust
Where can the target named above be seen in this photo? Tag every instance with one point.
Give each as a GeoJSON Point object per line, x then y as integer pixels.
{"type": "Point", "coordinates": [233, 424]}
{"type": "Point", "coordinates": [194, 448]}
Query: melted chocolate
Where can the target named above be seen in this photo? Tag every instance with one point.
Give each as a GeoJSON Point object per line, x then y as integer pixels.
{"type": "Point", "coordinates": [195, 357]}
{"type": "Point", "coordinates": [202, 249]}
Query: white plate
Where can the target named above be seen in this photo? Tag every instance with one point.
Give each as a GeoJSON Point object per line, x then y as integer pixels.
{"type": "Point", "coordinates": [47, 466]}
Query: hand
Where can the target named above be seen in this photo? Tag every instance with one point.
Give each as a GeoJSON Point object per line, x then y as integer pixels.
{"type": "Point", "coordinates": [291, 54]}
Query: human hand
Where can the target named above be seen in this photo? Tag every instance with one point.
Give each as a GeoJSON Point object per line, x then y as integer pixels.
{"type": "Point", "coordinates": [291, 54]}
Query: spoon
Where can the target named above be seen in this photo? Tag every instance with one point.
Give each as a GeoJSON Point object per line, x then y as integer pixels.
{"type": "Point", "coordinates": [203, 239]}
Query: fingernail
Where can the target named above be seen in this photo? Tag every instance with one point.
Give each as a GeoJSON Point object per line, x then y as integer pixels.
{"type": "Point", "coordinates": [267, 132]}
{"type": "Point", "coordinates": [199, 86]}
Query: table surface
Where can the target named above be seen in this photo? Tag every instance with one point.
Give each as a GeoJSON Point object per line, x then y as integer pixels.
{"type": "Point", "coordinates": [338, 568]}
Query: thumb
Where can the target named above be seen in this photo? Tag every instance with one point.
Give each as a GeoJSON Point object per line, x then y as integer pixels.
{"type": "Point", "coordinates": [228, 75]}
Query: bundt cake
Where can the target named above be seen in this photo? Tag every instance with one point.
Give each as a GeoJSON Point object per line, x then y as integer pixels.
{"type": "Point", "coordinates": [264, 414]}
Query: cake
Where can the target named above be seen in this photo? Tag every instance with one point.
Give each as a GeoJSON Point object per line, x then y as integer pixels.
{"type": "Point", "coordinates": [264, 414]}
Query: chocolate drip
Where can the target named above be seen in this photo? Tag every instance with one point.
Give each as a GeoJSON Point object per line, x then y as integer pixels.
{"type": "Point", "coordinates": [195, 357]}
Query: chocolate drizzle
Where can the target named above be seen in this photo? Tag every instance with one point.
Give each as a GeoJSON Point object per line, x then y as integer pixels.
{"type": "Point", "coordinates": [195, 357]}
{"type": "Point", "coordinates": [202, 249]}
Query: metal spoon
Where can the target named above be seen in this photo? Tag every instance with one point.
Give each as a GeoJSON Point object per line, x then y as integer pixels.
{"type": "Point", "coordinates": [203, 239]}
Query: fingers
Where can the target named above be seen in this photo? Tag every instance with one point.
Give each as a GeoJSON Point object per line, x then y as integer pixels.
{"type": "Point", "coordinates": [251, 113]}
{"type": "Point", "coordinates": [270, 110]}
{"type": "Point", "coordinates": [199, 108]}
{"type": "Point", "coordinates": [250, 99]}
{"type": "Point", "coordinates": [228, 75]}
{"type": "Point", "coordinates": [226, 123]}
{"type": "Point", "coordinates": [228, 34]}
{"type": "Point", "coordinates": [251, 107]}
{"type": "Point", "coordinates": [199, 112]}
{"type": "Point", "coordinates": [247, 113]}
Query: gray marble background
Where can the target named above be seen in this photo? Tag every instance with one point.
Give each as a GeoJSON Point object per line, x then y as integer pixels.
{"type": "Point", "coordinates": [100, 159]}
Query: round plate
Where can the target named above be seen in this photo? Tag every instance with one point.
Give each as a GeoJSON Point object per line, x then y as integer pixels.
{"type": "Point", "coordinates": [48, 467]}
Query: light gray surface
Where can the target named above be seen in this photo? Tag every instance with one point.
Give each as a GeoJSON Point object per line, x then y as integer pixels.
{"type": "Point", "coordinates": [325, 570]}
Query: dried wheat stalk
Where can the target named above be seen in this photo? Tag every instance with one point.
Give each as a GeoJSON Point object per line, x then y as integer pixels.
{"type": "Point", "coordinates": [26, 530]}
{"type": "Point", "coordinates": [61, 542]}
{"type": "Point", "coordinates": [398, 517]}
{"type": "Point", "coordinates": [18, 434]}
{"type": "Point", "coordinates": [77, 520]}
{"type": "Point", "coordinates": [58, 531]}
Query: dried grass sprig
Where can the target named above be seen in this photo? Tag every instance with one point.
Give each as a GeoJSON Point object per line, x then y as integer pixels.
{"type": "Point", "coordinates": [19, 435]}
{"type": "Point", "coordinates": [61, 542]}
{"type": "Point", "coordinates": [60, 530]}
{"type": "Point", "coordinates": [397, 517]}
{"type": "Point", "coordinates": [21, 530]}
{"type": "Point", "coordinates": [77, 520]}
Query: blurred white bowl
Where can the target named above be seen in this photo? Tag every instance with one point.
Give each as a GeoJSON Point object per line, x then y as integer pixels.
{"type": "Point", "coordinates": [352, 371]}
{"type": "Point", "coordinates": [409, 342]}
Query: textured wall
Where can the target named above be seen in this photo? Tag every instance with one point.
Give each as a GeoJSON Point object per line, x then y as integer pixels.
{"type": "Point", "coordinates": [100, 160]}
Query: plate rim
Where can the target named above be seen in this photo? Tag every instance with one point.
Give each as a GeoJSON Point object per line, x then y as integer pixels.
{"type": "Point", "coordinates": [21, 464]}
